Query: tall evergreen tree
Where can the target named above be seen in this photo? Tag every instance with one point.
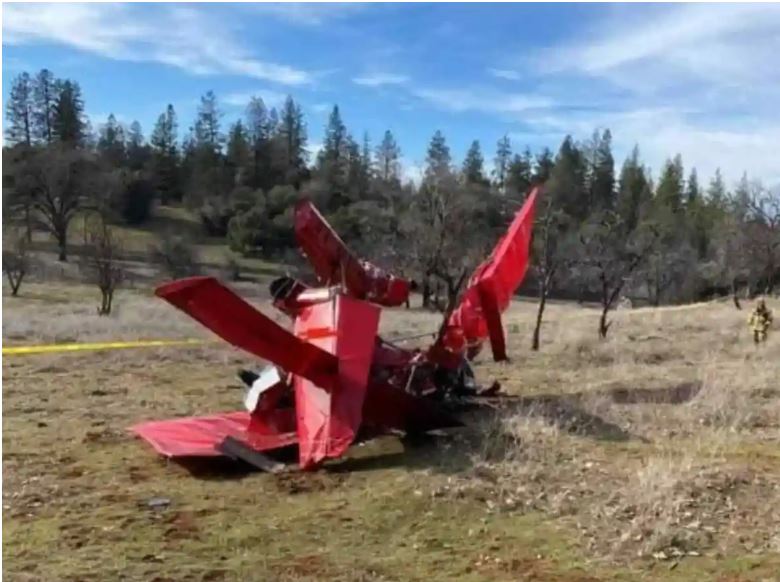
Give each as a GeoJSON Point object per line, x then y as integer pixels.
{"type": "Point", "coordinates": [292, 136]}
{"type": "Point", "coordinates": [260, 130]}
{"type": "Point", "coordinates": [692, 194]}
{"type": "Point", "coordinates": [111, 144]}
{"type": "Point", "coordinates": [543, 166]}
{"type": "Point", "coordinates": [633, 192]}
{"type": "Point", "coordinates": [474, 165]}
{"type": "Point", "coordinates": [208, 136]}
{"type": "Point", "coordinates": [68, 124]}
{"type": "Point", "coordinates": [19, 111]}
{"type": "Point", "coordinates": [669, 193]}
{"type": "Point", "coordinates": [44, 97]}
{"type": "Point", "coordinates": [567, 181]}
{"type": "Point", "coordinates": [137, 150]}
{"type": "Point", "coordinates": [238, 153]}
{"type": "Point", "coordinates": [520, 174]}
{"type": "Point", "coordinates": [165, 154]}
{"type": "Point", "coordinates": [438, 159]}
{"type": "Point", "coordinates": [601, 173]}
{"type": "Point", "coordinates": [502, 162]}
{"type": "Point", "coordinates": [388, 156]}
{"type": "Point", "coordinates": [716, 191]}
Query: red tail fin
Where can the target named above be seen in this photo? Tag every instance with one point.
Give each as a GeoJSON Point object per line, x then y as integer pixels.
{"type": "Point", "coordinates": [492, 285]}
{"type": "Point", "coordinates": [334, 263]}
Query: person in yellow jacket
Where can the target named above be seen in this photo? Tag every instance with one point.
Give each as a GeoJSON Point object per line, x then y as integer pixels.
{"type": "Point", "coordinates": [759, 321]}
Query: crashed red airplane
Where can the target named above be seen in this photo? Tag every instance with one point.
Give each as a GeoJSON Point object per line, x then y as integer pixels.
{"type": "Point", "coordinates": [335, 381]}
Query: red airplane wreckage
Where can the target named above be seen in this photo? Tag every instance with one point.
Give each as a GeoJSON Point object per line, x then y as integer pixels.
{"type": "Point", "coordinates": [334, 380]}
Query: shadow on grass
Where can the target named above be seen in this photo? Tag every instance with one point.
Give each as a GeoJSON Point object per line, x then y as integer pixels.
{"type": "Point", "coordinates": [451, 452]}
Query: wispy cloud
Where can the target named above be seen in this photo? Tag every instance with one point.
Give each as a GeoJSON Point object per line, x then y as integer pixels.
{"type": "Point", "coordinates": [483, 100]}
{"type": "Point", "coordinates": [507, 74]}
{"type": "Point", "coordinates": [309, 13]}
{"type": "Point", "coordinates": [179, 36]}
{"type": "Point", "coordinates": [380, 79]}
{"type": "Point", "coordinates": [724, 44]}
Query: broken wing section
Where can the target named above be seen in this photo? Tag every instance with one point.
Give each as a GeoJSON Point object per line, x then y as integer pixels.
{"type": "Point", "coordinates": [328, 420]}
{"type": "Point", "coordinates": [334, 263]}
{"type": "Point", "coordinates": [201, 436]}
{"type": "Point", "coordinates": [492, 285]}
{"type": "Point", "coordinates": [230, 317]}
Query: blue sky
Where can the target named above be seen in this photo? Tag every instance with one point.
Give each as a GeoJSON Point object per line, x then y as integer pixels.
{"type": "Point", "coordinates": [698, 79]}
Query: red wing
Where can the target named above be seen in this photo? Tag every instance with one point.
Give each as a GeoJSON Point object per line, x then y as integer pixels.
{"type": "Point", "coordinates": [237, 322]}
{"type": "Point", "coordinates": [492, 285]}
{"type": "Point", "coordinates": [334, 263]}
{"type": "Point", "coordinates": [200, 436]}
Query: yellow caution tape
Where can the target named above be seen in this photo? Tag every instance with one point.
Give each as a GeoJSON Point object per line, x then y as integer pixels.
{"type": "Point", "coordinates": [55, 348]}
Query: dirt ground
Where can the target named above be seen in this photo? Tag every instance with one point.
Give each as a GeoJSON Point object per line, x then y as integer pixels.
{"type": "Point", "coordinates": [652, 455]}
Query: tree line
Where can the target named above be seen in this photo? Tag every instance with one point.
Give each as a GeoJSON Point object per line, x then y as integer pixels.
{"type": "Point", "coordinates": [602, 232]}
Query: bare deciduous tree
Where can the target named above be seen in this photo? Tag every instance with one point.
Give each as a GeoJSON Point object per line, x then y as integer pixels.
{"type": "Point", "coordinates": [101, 261]}
{"type": "Point", "coordinates": [548, 254]}
{"type": "Point", "coordinates": [15, 260]}
{"type": "Point", "coordinates": [608, 258]}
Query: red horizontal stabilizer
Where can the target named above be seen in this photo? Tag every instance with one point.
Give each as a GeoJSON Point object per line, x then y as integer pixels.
{"type": "Point", "coordinates": [492, 285]}
{"type": "Point", "coordinates": [199, 436]}
{"type": "Point", "coordinates": [335, 264]}
{"type": "Point", "coordinates": [328, 420]}
{"type": "Point", "coordinates": [237, 322]}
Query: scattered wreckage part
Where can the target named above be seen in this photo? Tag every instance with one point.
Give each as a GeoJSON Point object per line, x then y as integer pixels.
{"type": "Point", "coordinates": [493, 284]}
{"type": "Point", "coordinates": [199, 436]}
{"type": "Point", "coordinates": [335, 264]}
{"type": "Point", "coordinates": [329, 418]}
{"type": "Point", "coordinates": [265, 389]}
{"type": "Point", "coordinates": [237, 450]}
{"type": "Point", "coordinates": [230, 317]}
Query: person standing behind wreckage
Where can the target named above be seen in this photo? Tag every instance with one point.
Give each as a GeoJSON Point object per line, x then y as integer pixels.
{"type": "Point", "coordinates": [759, 321]}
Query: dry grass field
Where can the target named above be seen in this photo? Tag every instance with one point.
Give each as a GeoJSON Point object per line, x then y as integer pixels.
{"type": "Point", "coordinates": [652, 455]}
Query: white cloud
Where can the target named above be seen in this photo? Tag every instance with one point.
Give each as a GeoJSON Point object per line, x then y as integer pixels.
{"type": "Point", "coordinates": [663, 132]}
{"type": "Point", "coordinates": [242, 99]}
{"type": "Point", "coordinates": [506, 74]}
{"type": "Point", "coordinates": [309, 13]}
{"type": "Point", "coordinates": [314, 148]}
{"type": "Point", "coordinates": [486, 101]}
{"type": "Point", "coordinates": [178, 36]}
{"type": "Point", "coordinates": [412, 171]}
{"type": "Point", "coordinates": [380, 79]}
{"type": "Point", "coordinates": [722, 44]}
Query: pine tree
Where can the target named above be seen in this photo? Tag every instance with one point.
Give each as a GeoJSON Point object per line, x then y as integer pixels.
{"type": "Point", "coordinates": [633, 192]}
{"type": "Point", "coordinates": [438, 159]}
{"type": "Point", "coordinates": [543, 166]}
{"type": "Point", "coordinates": [473, 165]}
{"type": "Point", "coordinates": [520, 174]}
{"type": "Point", "coordinates": [44, 98]}
{"type": "Point", "coordinates": [388, 156]}
{"type": "Point", "coordinates": [716, 192]}
{"type": "Point", "coordinates": [137, 150]}
{"type": "Point", "coordinates": [208, 137]}
{"type": "Point", "coordinates": [260, 130]}
{"type": "Point", "coordinates": [692, 194]}
{"type": "Point", "coordinates": [567, 181]}
{"type": "Point", "coordinates": [238, 152]}
{"type": "Point", "coordinates": [111, 144]}
{"type": "Point", "coordinates": [669, 193]}
{"type": "Point", "coordinates": [19, 111]}
{"type": "Point", "coordinates": [601, 173]}
{"type": "Point", "coordinates": [333, 162]}
{"type": "Point", "coordinates": [292, 135]}
{"type": "Point", "coordinates": [502, 162]}
{"type": "Point", "coordinates": [165, 155]}
{"type": "Point", "coordinates": [68, 124]}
